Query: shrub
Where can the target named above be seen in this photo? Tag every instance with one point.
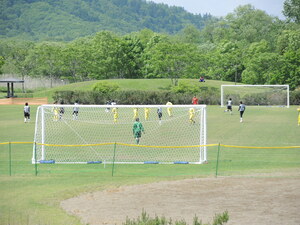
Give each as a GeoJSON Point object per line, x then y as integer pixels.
{"type": "Point", "coordinates": [144, 219]}
{"type": "Point", "coordinates": [295, 97]}
{"type": "Point", "coordinates": [105, 87]}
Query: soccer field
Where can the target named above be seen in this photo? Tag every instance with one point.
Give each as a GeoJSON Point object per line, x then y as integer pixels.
{"type": "Point", "coordinates": [35, 199]}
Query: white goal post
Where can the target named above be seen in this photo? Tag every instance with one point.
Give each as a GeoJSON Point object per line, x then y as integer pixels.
{"type": "Point", "coordinates": [104, 134]}
{"type": "Point", "coordinates": [263, 95]}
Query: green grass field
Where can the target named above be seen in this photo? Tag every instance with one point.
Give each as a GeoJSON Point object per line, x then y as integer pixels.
{"type": "Point", "coordinates": [30, 199]}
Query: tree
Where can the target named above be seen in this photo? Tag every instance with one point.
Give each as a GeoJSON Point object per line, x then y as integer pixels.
{"type": "Point", "coordinates": [103, 57]}
{"type": "Point", "coordinates": [291, 9]}
{"type": "Point", "coordinates": [47, 60]}
{"type": "Point", "coordinates": [129, 57]}
{"type": "Point", "coordinates": [168, 60]}
{"type": "Point", "coordinates": [75, 57]}
{"type": "Point", "coordinates": [263, 68]}
{"type": "Point", "coordinates": [15, 53]}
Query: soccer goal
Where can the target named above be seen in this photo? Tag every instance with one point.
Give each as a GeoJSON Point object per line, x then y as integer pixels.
{"type": "Point", "coordinates": [259, 95]}
{"type": "Point", "coordinates": [104, 134]}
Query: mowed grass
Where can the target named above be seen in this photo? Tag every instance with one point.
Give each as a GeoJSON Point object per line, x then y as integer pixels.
{"type": "Point", "coordinates": [30, 199]}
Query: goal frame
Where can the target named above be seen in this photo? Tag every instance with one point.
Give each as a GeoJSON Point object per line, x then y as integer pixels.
{"type": "Point", "coordinates": [256, 85]}
{"type": "Point", "coordinates": [40, 118]}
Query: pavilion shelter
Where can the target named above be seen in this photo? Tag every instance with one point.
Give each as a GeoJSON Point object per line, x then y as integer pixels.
{"type": "Point", "coordinates": [10, 86]}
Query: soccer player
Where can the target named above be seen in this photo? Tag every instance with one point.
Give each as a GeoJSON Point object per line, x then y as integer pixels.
{"type": "Point", "coordinates": [192, 116]}
{"type": "Point", "coordinates": [55, 112]}
{"type": "Point", "coordinates": [242, 109]}
{"type": "Point", "coordinates": [137, 130]}
{"type": "Point", "coordinates": [113, 102]}
{"type": "Point", "coordinates": [147, 112]}
{"type": "Point", "coordinates": [107, 103]}
{"type": "Point", "coordinates": [26, 113]}
{"type": "Point", "coordinates": [229, 106]}
{"type": "Point", "coordinates": [169, 109]}
{"type": "Point", "coordinates": [135, 113]}
{"type": "Point", "coordinates": [195, 100]}
{"type": "Point", "coordinates": [75, 110]}
{"type": "Point", "coordinates": [61, 110]}
{"type": "Point", "coordinates": [116, 115]}
{"type": "Point", "coordinates": [159, 114]}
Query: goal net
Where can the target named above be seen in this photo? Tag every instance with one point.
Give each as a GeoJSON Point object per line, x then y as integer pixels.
{"type": "Point", "coordinates": [259, 95]}
{"type": "Point", "coordinates": [101, 133]}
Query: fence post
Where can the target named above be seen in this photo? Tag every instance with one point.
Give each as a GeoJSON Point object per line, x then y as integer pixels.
{"type": "Point", "coordinates": [113, 165]}
{"type": "Point", "coordinates": [9, 155]}
{"type": "Point", "coordinates": [217, 166]}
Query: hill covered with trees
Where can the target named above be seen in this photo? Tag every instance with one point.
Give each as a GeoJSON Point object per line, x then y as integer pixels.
{"type": "Point", "coordinates": [65, 20]}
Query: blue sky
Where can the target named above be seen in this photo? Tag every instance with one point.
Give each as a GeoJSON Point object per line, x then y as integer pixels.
{"type": "Point", "coordinates": [223, 7]}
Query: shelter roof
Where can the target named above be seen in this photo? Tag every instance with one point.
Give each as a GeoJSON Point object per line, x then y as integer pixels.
{"type": "Point", "coordinates": [11, 80]}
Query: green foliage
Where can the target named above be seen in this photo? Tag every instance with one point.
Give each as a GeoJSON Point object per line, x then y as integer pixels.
{"type": "Point", "coordinates": [207, 95]}
{"type": "Point", "coordinates": [67, 20]}
{"type": "Point", "coordinates": [124, 97]}
{"type": "Point", "coordinates": [185, 87]}
{"type": "Point", "coordinates": [247, 46]}
{"type": "Point", "coordinates": [295, 97]}
{"type": "Point", "coordinates": [291, 9]}
{"type": "Point", "coordinates": [220, 219]}
{"type": "Point", "coordinates": [1, 62]}
{"type": "Point", "coordinates": [145, 219]}
{"type": "Point", "coordinates": [105, 87]}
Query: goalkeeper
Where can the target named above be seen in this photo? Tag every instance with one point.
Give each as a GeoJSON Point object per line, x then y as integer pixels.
{"type": "Point", "coordinates": [137, 130]}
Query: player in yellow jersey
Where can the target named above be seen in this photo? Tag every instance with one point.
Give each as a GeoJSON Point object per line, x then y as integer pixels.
{"type": "Point", "coordinates": [169, 109]}
{"type": "Point", "coordinates": [116, 115]}
{"type": "Point", "coordinates": [135, 113]}
{"type": "Point", "coordinates": [192, 116]}
{"type": "Point", "coordinates": [147, 111]}
{"type": "Point", "coordinates": [298, 116]}
{"type": "Point", "coordinates": [55, 111]}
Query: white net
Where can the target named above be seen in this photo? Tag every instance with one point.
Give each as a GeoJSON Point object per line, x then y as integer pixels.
{"type": "Point", "coordinates": [259, 95]}
{"type": "Point", "coordinates": [98, 134]}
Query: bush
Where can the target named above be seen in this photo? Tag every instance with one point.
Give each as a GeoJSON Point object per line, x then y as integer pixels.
{"type": "Point", "coordinates": [295, 97]}
{"type": "Point", "coordinates": [105, 87]}
{"type": "Point", "coordinates": [206, 95]}
{"type": "Point", "coordinates": [128, 97]}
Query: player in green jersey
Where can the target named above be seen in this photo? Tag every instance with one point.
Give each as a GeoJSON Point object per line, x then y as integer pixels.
{"type": "Point", "coordinates": [137, 130]}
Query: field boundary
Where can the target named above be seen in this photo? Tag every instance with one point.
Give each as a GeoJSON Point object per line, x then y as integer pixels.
{"type": "Point", "coordinates": [152, 146]}
{"type": "Point", "coordinates": [218, 162]}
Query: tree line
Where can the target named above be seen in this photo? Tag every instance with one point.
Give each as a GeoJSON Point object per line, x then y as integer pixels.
{"type": "Point", "coordinates": [246, 46]}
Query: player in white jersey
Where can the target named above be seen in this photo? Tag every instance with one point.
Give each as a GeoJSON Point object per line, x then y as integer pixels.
{"type": "Point", "coordinates": [75, 110]}
{"type": "Point", "coordinates": [229, 106]}
{"type": "Point", "coordinates": [26, 113]}
{"type": "Point", "coordinates": [242, 109]}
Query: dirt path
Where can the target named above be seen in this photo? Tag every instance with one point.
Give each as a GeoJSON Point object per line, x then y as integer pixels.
{"type": "Point", "coordinates": [249, 201]}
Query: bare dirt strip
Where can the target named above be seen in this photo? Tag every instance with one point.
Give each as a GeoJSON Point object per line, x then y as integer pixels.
{"type": "Point", "coordinates": [249, 201]}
